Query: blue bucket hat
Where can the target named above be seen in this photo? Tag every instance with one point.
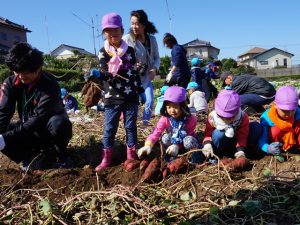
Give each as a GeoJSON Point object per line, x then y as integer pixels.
{"type": "Point", "coordinates": [163, 89]}
{"type": "Point", "coordinates": [195, 61]}
{"type": "Point", "coordinates": [63, 92]}
{"type": "Point", "coordinates": [192, 85]}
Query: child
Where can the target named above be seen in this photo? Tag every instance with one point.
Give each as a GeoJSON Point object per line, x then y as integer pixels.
{"type": "Point", "coordinates": [227, 127]}
{"type": "Point", "coordinates": [91, 91]}
{"type": "Point", "coordinates": [197, 103]}
{"type": "Point", "coordinates": [122, 87]}
{"type": "Point", "coordinates": [178, 123]}
{"type": "Point", "coordinates": [70, 103]}
{"type": "Point", "coordinates": [210, 72]}
{"type": "Point", "coordinates": [281, 123]}
{"type": "Point", "coordinates": [160, 100]}
{"type": "Point", "coordinates": [198, 74]}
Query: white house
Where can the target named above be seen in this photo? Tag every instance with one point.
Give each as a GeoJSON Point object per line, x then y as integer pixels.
{"type": "Point", "coordinates": [66, 51]}
{"type": "Point", "coordinates": [201, 49]}
{"type": "Point", "coordinates": [260, 58]}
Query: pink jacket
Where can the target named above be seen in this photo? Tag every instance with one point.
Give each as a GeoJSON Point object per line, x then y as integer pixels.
{"type": "Point", "coordinates": [163, 124]}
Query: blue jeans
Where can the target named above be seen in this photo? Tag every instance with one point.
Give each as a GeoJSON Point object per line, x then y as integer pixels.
{"type": "Point", "coordinates": [149, 103]}
{"type": "Point", "coordinates": [255, 101]}
{"type": "Point", "coordinates": [223, 145]}
{"type": "Point", "coordinates": [112, 117]}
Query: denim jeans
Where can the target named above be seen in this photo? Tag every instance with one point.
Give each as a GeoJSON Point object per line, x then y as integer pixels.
{"type": "Point", "coordinates": [112, 117]}
{"type": "Point", "coordinates": [149, 103]}
{"type": "Point", "coordinates": [255, 101]}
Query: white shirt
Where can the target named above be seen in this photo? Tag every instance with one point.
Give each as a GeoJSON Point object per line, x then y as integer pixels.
{"type": "Point", "coordinates": [197, 101]}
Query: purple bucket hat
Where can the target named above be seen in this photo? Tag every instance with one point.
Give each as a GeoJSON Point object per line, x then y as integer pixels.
{"type": "Point", "coordinates": [175, 94]}
{"type": "Point", "coordinates": [227, 103]}
{"type": "Point", "coordinates": [111, 20]}
{"type": "Point", "coordinates": [286, 98]}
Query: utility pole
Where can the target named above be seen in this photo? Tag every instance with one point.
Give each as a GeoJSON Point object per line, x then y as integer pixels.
{"type": "Point", "coordinates": [91, 26]}
{"type": "Point", "coordinates": [170, 19]}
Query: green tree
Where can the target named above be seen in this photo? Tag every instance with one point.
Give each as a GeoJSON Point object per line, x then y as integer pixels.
{"type": "Point", "coordinates": [243, 69]}
{"type": "Point", "coordinates": [228, 64]}
{"type": "Point", "coordinates": [165, 64]}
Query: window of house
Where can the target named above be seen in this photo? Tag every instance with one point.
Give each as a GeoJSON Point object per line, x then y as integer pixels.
{"type": "Point", "coordinates": [277, 63]}
{"type": "Point", "coordinates": [285, 61]}
{"type": "Point", "coordinates": [3, 36]}
{"type": "Point", "coordinates": [263, 62]}
{"type": "Point", "coordinates": [17, 38]}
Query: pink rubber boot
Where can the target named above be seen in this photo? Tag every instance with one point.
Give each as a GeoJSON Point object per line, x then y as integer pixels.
{"type": "Point", "coordinates": [131, 152]}
{"type": "Point", "coordinates": [106, 160]}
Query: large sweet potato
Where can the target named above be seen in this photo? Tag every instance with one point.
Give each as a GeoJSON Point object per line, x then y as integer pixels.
{"type": "Point", "coordinates": [238, 164]}
{"type": "Point", "coordinates": [176, 165]}
{"type": "Point", "coordinates": [131, 164]}
{"type": "Point", "coordinates": [151, 170]}
{"type": "Point", "coordinates": [144, 164]}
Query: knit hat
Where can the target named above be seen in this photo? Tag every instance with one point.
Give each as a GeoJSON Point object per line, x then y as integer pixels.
{"type": "Point", "coordinates": [195, 61]}
{"type": "Point", "coordinates": [286, 98]}
{"type": "Point", "coordinates": [175, 94]}
{"type": "Point", "coordinates": [192, 85]}
{"type": "Point", "coordinates": [163, 89]}
{"type": "Point", "coordinates": [63, 92]}
{"type": "Point", "coordinates": [227, 103]}
{"type": "Point", "coordinates": [111, 20]}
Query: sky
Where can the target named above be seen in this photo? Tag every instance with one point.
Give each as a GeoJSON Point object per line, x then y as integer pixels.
{"type": "Point", "coordinates": [233, 26]}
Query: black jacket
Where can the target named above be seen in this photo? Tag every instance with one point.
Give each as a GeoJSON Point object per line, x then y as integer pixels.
{"type": "Point", "coordinates": [252, 84]}
{"type": "Point", "coordinates": [36, 104]}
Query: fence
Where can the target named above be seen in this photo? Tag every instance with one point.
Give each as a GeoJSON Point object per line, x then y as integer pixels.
{"type": "Point", "coordinates": [278, 72]}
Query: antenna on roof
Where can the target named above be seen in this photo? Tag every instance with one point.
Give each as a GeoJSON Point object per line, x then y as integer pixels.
{"type": "Point", "coordinates": [91, 26]}
{"type": "Point", "coordinates": [47, 33]}
{"type": "Point", "coordinates": [170, 19]}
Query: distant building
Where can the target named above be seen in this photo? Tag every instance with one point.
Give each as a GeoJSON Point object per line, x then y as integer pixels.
{"type": "Point", "coordinates": [10, 33]}
{"type": "Point", "coordinates": [201, 49]}
{"type": "Point", "coordinates": [66, 51]}
{"type": "Point", "coordinates": [261, 58]}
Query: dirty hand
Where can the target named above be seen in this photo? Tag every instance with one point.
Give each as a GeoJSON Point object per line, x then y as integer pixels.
{"type": "Point", "coordinates": [172, 150]}
{"type": "Point", "coordinates": [274, 148]}
{"type": "Point", "coordinates": [207, 150]}
{"type": "Point", "coordinates": [146, 150]}
{"type": "Point", "coordinates": [2, 142]}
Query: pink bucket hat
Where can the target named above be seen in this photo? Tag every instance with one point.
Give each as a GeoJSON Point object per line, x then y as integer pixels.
{"type": "Point", "coordinates": [175, 94]}
{"type": "Point", "coordinates": [286, 98]}
{"type": "Point", "coordinates": [227, 103]}
{"type": "Point", "coordinates": [111, 20]}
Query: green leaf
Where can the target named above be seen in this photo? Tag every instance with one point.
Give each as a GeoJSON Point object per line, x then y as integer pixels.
{"type": "Point", "coordinates": [266, 172]}
{"type": "Point", "coordinates": [251, 207]}
{"type": "Point", "coordinates": [280, 158]}
{"type": "Point", "coordinates": [214, 210]}
{"type": "Point", "coordinates": [45, 207]}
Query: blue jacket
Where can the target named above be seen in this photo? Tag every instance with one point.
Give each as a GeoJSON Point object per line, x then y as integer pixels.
{"type": "Point", "coordinates": [179, 60]}
{"type": "Point", "coordinates": [71, 103]}
{"type": "Point", "coordinates": [198, 75]}
{"type": "Point", "coordinates": [266, 123]}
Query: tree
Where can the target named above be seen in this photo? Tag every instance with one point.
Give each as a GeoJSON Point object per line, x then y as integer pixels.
{"type": "Point", "coordinates": [228, 64]}
{"type": "Point", "coordinates": [165, 64]}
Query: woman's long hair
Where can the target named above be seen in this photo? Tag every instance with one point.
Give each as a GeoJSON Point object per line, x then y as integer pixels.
{"type": "Point", "coordinates": [143, 19]}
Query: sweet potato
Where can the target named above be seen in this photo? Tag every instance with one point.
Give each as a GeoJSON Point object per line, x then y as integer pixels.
{"type": "Point", "coordinates": [177, 165]}
{"type": "Point", "coordinates": [144, 164]}
{"type": "Point", "coordinates": [225, 161]}
{"type": "Point", "coordinates": [238, 164]}
{"type": "Point", "coordinates": [151, 170]}
{"type": "Point", "coordinates": [131, 164]}
{"type": "Point", "coordinates": [165, 173]}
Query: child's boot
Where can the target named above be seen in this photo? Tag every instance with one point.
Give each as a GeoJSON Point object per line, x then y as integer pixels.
{"type": "Point", "coordinates": [106, 160]}
{"type": "Point", "coordinates": [131, 152]}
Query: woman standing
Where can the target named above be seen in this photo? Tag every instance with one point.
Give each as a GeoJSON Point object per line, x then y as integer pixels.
{"type": "Point", "coordinates": [142, 40]}
{"type": "Point", "coordinates": [180, 73]}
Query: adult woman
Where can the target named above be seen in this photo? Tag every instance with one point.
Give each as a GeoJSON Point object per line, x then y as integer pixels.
{"type": "Point", "coordinates": [142, 40]}
{"type": "Point", "coordinates": [180, 72]}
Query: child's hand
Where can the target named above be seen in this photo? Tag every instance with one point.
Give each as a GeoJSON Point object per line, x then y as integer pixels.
{"type": "Point", "coordinates": [143, 151]}
{"type": "Point", "coordinates": [173, 150]}
{"type": "Point", "coordinates": [274, 148]}
{"type": "Point", "coordinates": [207, 150]}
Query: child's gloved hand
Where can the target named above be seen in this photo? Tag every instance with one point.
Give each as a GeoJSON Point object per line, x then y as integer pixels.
{"type": "Point", "coordinates": [207, 150]}
{"type": "Point", "coordinates": [143, 151]}
{"type": "Point", "coordinates": [143, 97]}
{"type": "Point", "coordinates": [95, 73]}
{"type": "Point", "coordinates": [169, 76]}
{"type": "Point", "coordinates": [274, 148]}
{"type": "Point", "coordinates": [172, 150]}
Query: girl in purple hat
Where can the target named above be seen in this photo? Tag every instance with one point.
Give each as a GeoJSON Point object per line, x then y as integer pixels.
{"type": "Point", "coordinates": [122, 87]}
{"type": "Point", "coordinates": [281, 123]}
{"type": "Point", "coordinates": [227, 128]}
{"type": "Point", "coordinates": [177, 123]}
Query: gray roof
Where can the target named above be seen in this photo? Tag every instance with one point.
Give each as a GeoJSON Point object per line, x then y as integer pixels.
{"type": "Point", "coordinates": [11, 24]}
{"type": "Point", "coordinates": [71, 48]}
{"type": "Point", "coordinates": [261, 53]}
{"type": "Point", "coordinates": [199, 43]}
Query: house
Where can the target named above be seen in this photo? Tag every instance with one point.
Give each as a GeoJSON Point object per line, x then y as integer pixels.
{"type": "Point", "coordinates": [10, 33]}
{"type": "Point", "coordinates": [201, 49]}
{"type": "Point", "coordinates": [260, 58]}
{"type": "Point", "coordinates": [66, 51]}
